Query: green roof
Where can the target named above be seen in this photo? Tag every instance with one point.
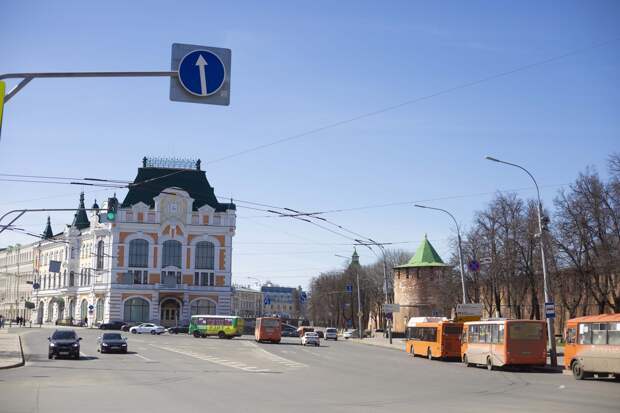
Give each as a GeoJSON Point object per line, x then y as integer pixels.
{"type": "Point", "coordinates": [425, 256]}
{"type": "Point", "coordinates": [80, 219]}
{"type": "Point", "coordinates": [47, 233]}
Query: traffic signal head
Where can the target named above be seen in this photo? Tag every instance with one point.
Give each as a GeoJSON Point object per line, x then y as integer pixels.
{"type": "Point", "coordinates": [112, 208]}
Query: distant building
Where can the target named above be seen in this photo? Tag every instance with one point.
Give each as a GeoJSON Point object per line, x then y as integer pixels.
{"type": "Point", "coordinates": [165, 256]}
{"type": "Point", "coordinates": [285, 302]}
{"type": "Point", "coordinates": [246, 302]}
{"type": "Point", "coordinates": [418, 286]}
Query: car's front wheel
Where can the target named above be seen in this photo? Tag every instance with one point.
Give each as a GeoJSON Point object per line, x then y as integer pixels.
{"type": "Point", "coordinates": [50, 356]}
{"type": "Point", "coordinates": [153, 332]}
{"type": "Point", "coordinates": [133, 331]}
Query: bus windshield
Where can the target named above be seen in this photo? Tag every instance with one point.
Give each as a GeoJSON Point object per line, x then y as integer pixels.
{"type": "Point", "coordinates": [270, 322]}
{"type": "Point", "coordinates": [525, 331]}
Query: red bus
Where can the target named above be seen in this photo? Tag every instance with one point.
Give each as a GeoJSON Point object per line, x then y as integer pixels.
{"type": "Point", "coordinates": [268, 329]}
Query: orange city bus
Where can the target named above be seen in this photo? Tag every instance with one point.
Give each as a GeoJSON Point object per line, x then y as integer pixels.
{"type": "Point", "coordinates": [501, 342]}
{"type": "Point", "coordinates": [593, 345]}
{"type": "Point", "coordinates": [434, 337]}
{"type": "Point", "coordinates": [268, 329]}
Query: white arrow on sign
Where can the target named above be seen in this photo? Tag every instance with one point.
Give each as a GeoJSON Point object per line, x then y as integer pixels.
{"type": "Point", "coordinates": [201, 63]}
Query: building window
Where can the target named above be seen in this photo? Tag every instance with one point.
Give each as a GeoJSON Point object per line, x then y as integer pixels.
{"type": "Point", "coordinates": [204, 279]}
{"type": "Point", "coordinates": [100, 255]}
{"type": "Point", "coordinates": [138, 253]}
{"type": "Point", "coordinates": [136, 309]}
{"type": "Point", "coordinates": [205, 255]}
{"type": "Point", "coordinates": [203, 307]}
{"type": "Point", "coordinates": [171, 278]}
{"type": "Point", "coordinates": [83, 310]}
{"type": "Point", "coordinates": [138, 277]}
{"type": "Point", "coordinates": [99, 312]}
{"type": "Point", "coordinates": [71, 279]}
{"type": "Point", "coordinates": [171, 256]}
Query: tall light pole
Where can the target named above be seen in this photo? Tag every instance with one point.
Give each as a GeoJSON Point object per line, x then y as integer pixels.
{"type": "Point", "coordinates": [550, 329]}
{"type": "Point", "coordinates": [458, 234]}
{"type": "Point", "coordinates": [359, 301]}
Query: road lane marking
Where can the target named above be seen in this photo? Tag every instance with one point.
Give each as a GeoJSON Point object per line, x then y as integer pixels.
{"type": "Point", "coordinates": [215, 360]}
{"type": "Point", "coordinates": [278, 359]}
{"type": "Point", "coordinates": [148, 360]}
{"type": "Point", "coordinates": [84, 354]}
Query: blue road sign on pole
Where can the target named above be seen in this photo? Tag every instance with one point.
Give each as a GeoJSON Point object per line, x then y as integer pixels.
{"type": "Point", "coordinates": [202, 73]}
{"type": "Point", "coordinates": [303, 296]}
{"type": "Point", "coordinates": [473, 266]}
{"type": "Point", "coordinates": [349, 288]}
{"type": "Point", "coordinates": [267, 300]}
{"type": "Point", "coordinates": [550, 310]}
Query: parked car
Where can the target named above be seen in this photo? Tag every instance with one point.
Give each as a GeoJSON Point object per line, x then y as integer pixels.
{"type": "Point", "coordinates": [112, 325]}
{"type": "Point", "coordinates": [147, 328]}
{"type": "Point", "coordinates": [310, 337]}
{"type": "Point", "coordinates": [350, 334]}
{"type": "Point", "coordinates": [178, 329]}
{"type": "Point", "coordinates": [289, 331]}
{"type": "Point", "coordinates": [127, 326]}
{"type": "Point", "coordinates": [331, 334]}
{"type": "Point", "coordinates": [64, 343]}
{"type": "Point", "coordinates": [109, 342]}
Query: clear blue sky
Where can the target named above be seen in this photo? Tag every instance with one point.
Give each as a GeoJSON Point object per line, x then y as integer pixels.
{"type": "Point", "coordinates": [297, 67]}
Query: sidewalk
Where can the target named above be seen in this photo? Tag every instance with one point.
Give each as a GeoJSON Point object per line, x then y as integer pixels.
{"type": "Point", "coordinates": [11, 354]}
{"type": "Point", "coordinates": [397, 343]}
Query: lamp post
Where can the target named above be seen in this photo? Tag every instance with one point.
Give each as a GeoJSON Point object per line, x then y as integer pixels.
{"type": "Point", "coordinates": [550, 332]}
{"type": "Point", "coordinates": [359, 301]}
{"type": "Point", "coordinates": [458, 234]}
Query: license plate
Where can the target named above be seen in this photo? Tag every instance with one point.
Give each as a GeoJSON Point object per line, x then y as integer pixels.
{"type": "Point", "coordinates": [269, 330]}
{"type": "Point", "coordinates": [63, 353]}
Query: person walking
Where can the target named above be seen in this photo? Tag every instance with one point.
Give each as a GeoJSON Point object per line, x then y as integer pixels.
{"type": "Point", "coordinates": [1, 321]}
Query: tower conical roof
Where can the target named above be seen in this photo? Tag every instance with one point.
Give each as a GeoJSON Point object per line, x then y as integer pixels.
{"type": "Point", "coordinates": [425, 256]}
{"type": "Point", "coordinates": [80, 220]}
{"type": "Point", "coordinates": [48, 233]}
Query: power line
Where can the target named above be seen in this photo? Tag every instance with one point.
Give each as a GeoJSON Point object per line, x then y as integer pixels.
{"type": "Point", "coordinates": [416, 100]}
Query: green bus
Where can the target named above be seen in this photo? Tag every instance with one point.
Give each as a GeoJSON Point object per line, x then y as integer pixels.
{"type": "Point", "coordinates": [222, 326]}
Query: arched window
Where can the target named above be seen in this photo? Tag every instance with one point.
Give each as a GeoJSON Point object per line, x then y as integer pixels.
{"type": "Point", "coordinates": [136, 309]}
{"type": "Point", "coordinates": [100, 246]}
{"type": "Point", "coordinates": [203, 307]}
{"type": "Point", "coordinates": [83, 310]}
{"type": "Point", "coordinates": [99, 310]}
{"type": "Point", "coordinates": [72, 281]}
{"type": "Point", "coordinates": [138, 253]}
{"type": "Point", "coordinates": [171, 256]}
{"type": "Point", "coordinates": [50, 311]}
{"type": "Point", "coordinates": [72, 309]}
{"type": "Point", "coordinates": [205, 255]}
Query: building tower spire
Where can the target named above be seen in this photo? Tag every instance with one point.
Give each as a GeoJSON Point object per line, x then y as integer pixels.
{"type": "Point", "coordinates": [48, 233]}
{"type": "Point", "coordinates": [80, 220]}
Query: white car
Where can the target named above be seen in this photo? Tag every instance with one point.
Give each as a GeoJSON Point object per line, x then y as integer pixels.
{"type": "Point", "coordinates": [350, 334]}
{"type": "Point", "coordinates": [147, 328]}
{"type": "Point", "coordinates": [310, 338]}
{"type": "Point", "coordinates": [331, 334]}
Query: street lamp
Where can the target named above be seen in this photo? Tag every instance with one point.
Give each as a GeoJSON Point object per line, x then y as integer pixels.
{"type": "Point", "coordinates": [550, 332]}
{"type": "Point", "coordinates": [359, 301]}
{"type": "Point", "coordinates": [458, 233]}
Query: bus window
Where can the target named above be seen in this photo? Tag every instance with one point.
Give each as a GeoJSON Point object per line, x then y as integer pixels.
{"type": "Point", "coordinates": [613, 333]}
{"type": "Point", "coordinates": [500, 334]}
{"type": "Point", "coordinates": [585, 334]}
{"type": "Point", "coordinates": [484, 329]}
{"type": "Point", "coordinates": [474, 333]}
{"type": "Point", "coordinates": [525, 331]}
{"type": "Point", "coordinates": [430, 334]}
{"type": "Point", "coordinates": [494, 333]}
{"type": "Point", "coordinates": [571, 335]}
{"type": "Point", "coordinates": [599, 333]}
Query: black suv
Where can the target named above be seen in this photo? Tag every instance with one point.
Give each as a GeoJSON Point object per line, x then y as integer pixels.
{"type": "Point", "coordinates": [64, 343]}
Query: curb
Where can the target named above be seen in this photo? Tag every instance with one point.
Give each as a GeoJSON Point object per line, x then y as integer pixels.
{"type": "Point", "coordinates": [358, 341]}
{"type": "Point", "coordinates": [21, 352]}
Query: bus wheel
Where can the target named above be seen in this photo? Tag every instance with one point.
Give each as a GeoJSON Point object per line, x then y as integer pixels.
{"type": "Point", "coordinates": [221, 335]}
{"type": "Point", "coordinates": [578, 372]}
{"type": "Point", "coordinates": [489, 364]}
{"type": "Point", "coordinates": [465, 361]}
{"type": "Point", "coordinates": [196, 334]}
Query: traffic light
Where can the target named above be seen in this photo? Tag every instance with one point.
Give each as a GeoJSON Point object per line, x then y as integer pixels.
{"type": "Point", "coordinates": [112, 208]}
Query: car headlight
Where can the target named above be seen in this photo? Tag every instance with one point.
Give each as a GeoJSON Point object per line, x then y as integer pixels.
{"type": "Point", "coordinates": [76, 344]}
{"type": "Point", "coordinates": [104, 344]}
{"type": "Point", "coordinates": [124, 344]}
{"type": "Point", "coordinates": [52, 345]}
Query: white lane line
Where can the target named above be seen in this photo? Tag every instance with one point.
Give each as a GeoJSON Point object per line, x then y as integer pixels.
{"type": "Point", "coordinates": [278, 359]}
{"type": "Point", "coordinates": [144, 358]}
{"type": "Point", "coordinates": [212, 359]}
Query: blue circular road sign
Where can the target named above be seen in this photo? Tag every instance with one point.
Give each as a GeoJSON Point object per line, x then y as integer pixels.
{"type": "Point", "coordinates": [474, 266]}
{"type": "Point", "coordinates": [201, 73]}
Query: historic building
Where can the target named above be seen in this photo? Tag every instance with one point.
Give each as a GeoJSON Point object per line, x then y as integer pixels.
{"type": "Point", "coordinates": [418, 286]}
{"type": "Point", "coordinates": [284, 302]}
{"type": "Point", "coordinates": [246, 302]}
{"type": "Point", "coordinates": [164, 256]}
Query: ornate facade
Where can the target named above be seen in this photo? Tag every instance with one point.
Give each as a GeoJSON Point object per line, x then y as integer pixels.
{"type": "Point", "coordinates": [164, 256]}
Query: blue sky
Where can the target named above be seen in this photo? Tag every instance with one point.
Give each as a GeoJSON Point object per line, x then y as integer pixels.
{"type": "Point", "coordinates": [297, 67]}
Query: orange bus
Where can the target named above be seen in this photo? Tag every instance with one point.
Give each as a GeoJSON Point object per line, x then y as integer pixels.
{"type": "Point", "coordinates": [501, 342]}
{"type": "Point", "coordinates": [434, 337]}
{"type": "Point", "coordinates": [593, 345]}
{"type": "Point", "coordinates": [268, 329]}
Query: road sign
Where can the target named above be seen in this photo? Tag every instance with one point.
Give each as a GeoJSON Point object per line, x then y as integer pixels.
{"type": "Point", "coordinates": [473, 266]}
{"type": "Point", "coordinates": [470, 309]}
{"type": "Point", "coordinates": [91, 307]}
{"type": "Point", "coordinates": [267, 300]}
{"type": "Point", "coordinates": [391, 308]}
{"type": "Point", "coordinates": [550, 310]}
{"type": "Point", "coordinates": [360, 314]}
{"type": "Point", "coordinates": [36, 286]}
{"type": "Point", "coordinates": [203, 74]}
{"type": "Point", "coordinates": [2, 91]}
{"type": "Point", "coordinates": [349, 288]}
{"type": "Point", "coordinates": [388, 316]}
{"type": "Point", "coordinates": [303, 296]}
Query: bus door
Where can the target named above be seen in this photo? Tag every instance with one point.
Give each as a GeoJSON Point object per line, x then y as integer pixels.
{"type": "Point", "coordinates": [498, 348]}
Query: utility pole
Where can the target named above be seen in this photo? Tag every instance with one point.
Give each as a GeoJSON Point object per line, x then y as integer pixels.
{"type": "Point", "coordinates": [550, 326]}
{"type": "Point", "coordinates": [359, 306]}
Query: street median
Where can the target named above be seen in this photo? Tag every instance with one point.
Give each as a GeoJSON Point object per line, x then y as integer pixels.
{"type": "Point", "coordinates": [11, 353]}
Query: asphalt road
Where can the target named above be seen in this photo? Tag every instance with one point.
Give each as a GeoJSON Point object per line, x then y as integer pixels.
{"type": "Point", "coordinates": [180, 373]}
